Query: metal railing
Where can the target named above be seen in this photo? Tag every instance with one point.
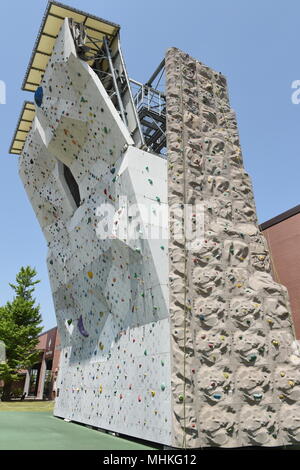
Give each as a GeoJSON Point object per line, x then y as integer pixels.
{"type": "Point", "coordinates": [148, 97]}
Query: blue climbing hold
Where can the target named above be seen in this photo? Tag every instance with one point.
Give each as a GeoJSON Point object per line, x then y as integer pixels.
{"type": "Point", "coordinates": [217, 396]}
{"type": "Point", "coordinates": [38, 96]}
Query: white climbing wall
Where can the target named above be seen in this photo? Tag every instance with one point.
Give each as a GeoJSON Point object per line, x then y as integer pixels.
{"type": "Point", "coordinates": [108, 277]}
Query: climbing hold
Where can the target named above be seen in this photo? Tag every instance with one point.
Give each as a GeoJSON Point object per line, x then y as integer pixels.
{"type": "Point", "coordinates": [69, 321]}
{"type": "Point", "coordinates": [90, 275]}
{"type": "Point", "coordinates": [162, 387]}
{"type": "Point", "coordinates": [257, 396]}
{"type": "Point", "coordinates": [81, 327]}
{"type": "Point", "coordinates": [38, 96]}
{"type": "Point", "coordinates": [252, 358]}
{"type": "Point", "coordinates": [217, 396]}
{"type": "Point", "coordinates": [181, 398]}
{"type": "Point", "coordinates": [153, 393]}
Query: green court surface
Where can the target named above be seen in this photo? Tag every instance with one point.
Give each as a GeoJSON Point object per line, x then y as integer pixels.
{"type": "Point", "coordinates": [40, 430]}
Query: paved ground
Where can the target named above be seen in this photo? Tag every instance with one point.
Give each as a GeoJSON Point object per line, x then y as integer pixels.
{"type": "Point", "coordinates": [40, 430]}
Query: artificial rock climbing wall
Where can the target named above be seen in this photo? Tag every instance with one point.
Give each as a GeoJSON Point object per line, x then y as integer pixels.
{"type": "Point", "coordinates": [234, 380]}
{"type": "Point", "coordinates": [109, 279]}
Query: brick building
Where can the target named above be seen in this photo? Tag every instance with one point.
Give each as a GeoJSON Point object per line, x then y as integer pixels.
{"type": "Point", "coordinates": [283, 236]}
{"type": "Point", "coordinates": [39, 382]}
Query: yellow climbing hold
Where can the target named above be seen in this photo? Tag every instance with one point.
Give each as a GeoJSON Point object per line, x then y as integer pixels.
{"type": "Point", "coordinates": [90, 274]}
{"type": "Point", "coordinates": [152, 393]}
{"type": "Point", "coordinates": [291, 383]}
{"type": "Point", "coordinates": [100, 389]}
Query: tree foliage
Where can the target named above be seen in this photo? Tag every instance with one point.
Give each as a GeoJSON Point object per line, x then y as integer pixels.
{"type": "Point", "coordinates": [19, 328]}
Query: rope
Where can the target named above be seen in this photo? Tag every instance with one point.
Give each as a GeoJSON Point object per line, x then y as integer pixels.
{"type": "Point", "coordinates": [185, 272]}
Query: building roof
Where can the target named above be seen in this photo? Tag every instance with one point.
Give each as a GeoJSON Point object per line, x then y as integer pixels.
{"type": "Point", "coordinates": [52, 21]}
{"type": "Point", "coordinates": [47, 331]}
{"type": "Point", "coordinates": [280, 218]}
{"type": "Point", "coordinates": [23, 127]}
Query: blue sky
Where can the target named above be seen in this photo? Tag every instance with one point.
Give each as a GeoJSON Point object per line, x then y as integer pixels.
{"type": "Point", "coordinates": [253, 42]}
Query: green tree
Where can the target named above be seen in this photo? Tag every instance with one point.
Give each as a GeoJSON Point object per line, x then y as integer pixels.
{"type": "Point", "coordinates": [19, 329]}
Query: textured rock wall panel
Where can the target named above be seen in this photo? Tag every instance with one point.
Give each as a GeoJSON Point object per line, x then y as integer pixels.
{"type": "Point", "coordinates": [234, 381]}
{"type": "Point", "coordinates": [109, 279]}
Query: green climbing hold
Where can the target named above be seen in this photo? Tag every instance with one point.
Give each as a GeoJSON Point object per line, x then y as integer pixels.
{"type": "Point", "coordinates": [181, 398]}
{"type": "Point", "coordinates": [252, 358]}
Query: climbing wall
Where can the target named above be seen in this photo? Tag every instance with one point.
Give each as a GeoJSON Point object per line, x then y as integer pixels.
{"type": "Point", "coordinates": [177, 337]}
{"type": "Point", "coordinates": [234, 381]}
{"type": "Point", "coordinates": [108, 258]}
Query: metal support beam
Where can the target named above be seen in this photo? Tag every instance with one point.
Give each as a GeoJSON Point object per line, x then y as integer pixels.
{"type": "Point", "coordinates": [111, 66]}
{"type": "Point", "coordinates": [130, 94]}
{"type": "Point", "coordinates": [155, 73]}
